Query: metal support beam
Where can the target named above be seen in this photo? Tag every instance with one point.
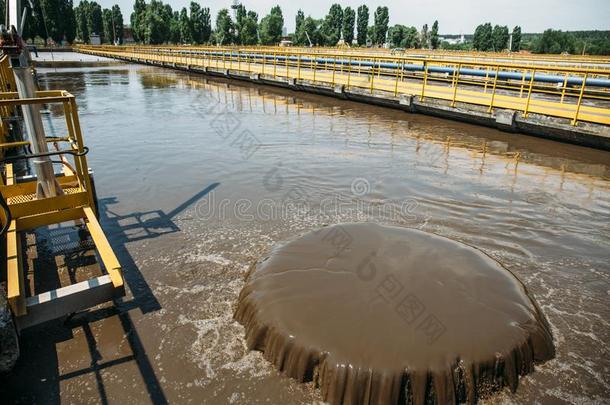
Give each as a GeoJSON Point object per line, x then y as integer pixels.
{"type": "Point", "coordinates": [47, 184]}
{"type": "Point", "coordinates": [66, 300]}
{"type": "Point", "coordinates": [14, 14]}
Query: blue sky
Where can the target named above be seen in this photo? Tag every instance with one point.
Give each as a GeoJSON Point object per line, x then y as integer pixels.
{"type": "Point", "coordinates": [454, 16]}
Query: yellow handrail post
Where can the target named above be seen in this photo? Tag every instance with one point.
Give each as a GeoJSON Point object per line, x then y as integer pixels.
{"type": "Point", "coordinates": [423, 87]}
{"type": "Point", "coordinates": [82, 159]}
{"type": "Point", "coordinates": [582, 92]}
{"type": "Point", "coordinates": [396, 84]}
{"type": "Point", "coordinates": [563, 91]}
{"type": "Point", "coordinates": [486, 80]}
{"type": "Point", "coordinates": [529, 93]}
{"type": "Point", "coordinates": [349, 72]}
{"type": "Point", "coordinates": [299, 67]}
{"type": "Point", "coordinates": [456, 83]}
{"type": "Point", "coordinates": [493, 92]}
{"type": "Point", "coordinates": [373, 74]}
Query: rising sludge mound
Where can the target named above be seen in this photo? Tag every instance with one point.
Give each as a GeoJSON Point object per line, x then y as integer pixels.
{"type": "Point", "coordinates": [386, 315]}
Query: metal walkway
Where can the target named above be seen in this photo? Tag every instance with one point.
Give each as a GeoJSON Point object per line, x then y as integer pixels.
{"type": "Point", "coordinates": [572, 93]}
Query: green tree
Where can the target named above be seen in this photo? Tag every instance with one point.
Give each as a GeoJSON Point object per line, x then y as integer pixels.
{"type": "Point", "coordinates": [196, 23]}
{"type": "Point", "coordinates": [137, 20]}
{"type": "Point", "coordinates": [186, 35]}
{"type": "Point", "coordinates": [107, 24]}
{"type": "Point", "coordinates": [206, 24]}
{"type": "Point", "coordinates": [396, 35]}
{"type": "Point", "coordinates": [95, 21]}
{"type": "Point", "coordinates": [82, 26]}
{"type": "Point", "coordinates": [370, 35]}
{"type": "Point", "coordinates": [411, 38]}
{"type": "Point", "coordinates": [381, 19]}
{"type": "Point", "coordinates": [500, 37]}
{"type": "Point", "coordinates": [156, 23]}
{"type": "Point", "coordinates": [331, 27]}
{"type": "Point", "coordinates": [424, 37]}
{"type": "Point", "coordinates": [362, 24]}
{"type": "Point", "coordinates": [200, 23]}
{"type": "Point", "coordinates": [240, 16]}
{"type": "Point", "coordinates": [349, 21]}
{"type": "Point", "coordinates": [312, 27]}
{"type": "Point", "coordinates": [308, 27]}
{"type": "Point", "coordinates": [298, 28]}
{"type": "Point", "coordinates": [225, 30]}
{"type": "Point", "coordinates": [248, 34]}
{"type": "Point", "coordinates": [516, 43]}
{"type": "Point", "coordinates": [555, 41]}
{"type": "Point", "coordinates": [69, 20]}
{"type": "Point", "coordinates": [477, 37]}
{"type": "Point", "coordinates": [174, 28]}
{"type": "Point", "coordinates": [117, 17]}
{"type": "Point", "coordinates": [488, 37]}
{"type": "Point", "coordinates": [434, 41]}
{"type": "Point", "coordinates": [51, 10]}
{"type": "Point", "coordinates": [34, 25]}
{"type": "Point", "coordinates": [483, 39]}
{"type": "Point", "coordinates": [271, 27]}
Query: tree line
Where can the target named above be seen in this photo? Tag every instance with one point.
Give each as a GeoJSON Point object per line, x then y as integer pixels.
{"type": "Point", "coordinates": [154, 22]}
{"type": "Point", "coordinates": [91, 19]}
{"type": "Point", "coordinates": [59, 20]}
{"type": "Point", "coordinates": [49, 19]}
{"type": "Point", "coordinates": [575, 42]}
{"type": "Point", "coordinates": [496, 38]}
{"type": "Point", "coordinates": [343, 24]}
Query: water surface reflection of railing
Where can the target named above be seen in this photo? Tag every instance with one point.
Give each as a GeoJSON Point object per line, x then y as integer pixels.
{"type": "Point", "coordinates": [484, 143]}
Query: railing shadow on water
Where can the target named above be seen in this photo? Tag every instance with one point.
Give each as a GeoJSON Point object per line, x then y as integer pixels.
{"type": "Point", "coordinates": [38, 377]}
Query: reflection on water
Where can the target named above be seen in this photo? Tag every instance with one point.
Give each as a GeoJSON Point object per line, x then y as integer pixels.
{"type": "Point", "coordinates": [159, 137]}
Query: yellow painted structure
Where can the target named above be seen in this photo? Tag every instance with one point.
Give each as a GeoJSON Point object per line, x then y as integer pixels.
{"type": "Point", "coordinates": [75, 203]}
{"type": "Point", "coordinates": [561, 100]}
{"type": "Point", "coordinates": [523, 58]}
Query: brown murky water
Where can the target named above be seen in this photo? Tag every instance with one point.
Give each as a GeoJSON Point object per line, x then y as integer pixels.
{"type": "Point", "coordinates": [197, 178]}
{"type": "Point", "coordinates": [378, 314]}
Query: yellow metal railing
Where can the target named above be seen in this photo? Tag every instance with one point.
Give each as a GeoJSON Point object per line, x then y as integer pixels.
{"type": "Point", "coordinates": [7, 83]}
{"type": "Point", "coordinates": [516, 57]}
{"type": "Point", "coordinates": [75, 199]}
{"type": "Point", "coordinates": [357, 72]}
